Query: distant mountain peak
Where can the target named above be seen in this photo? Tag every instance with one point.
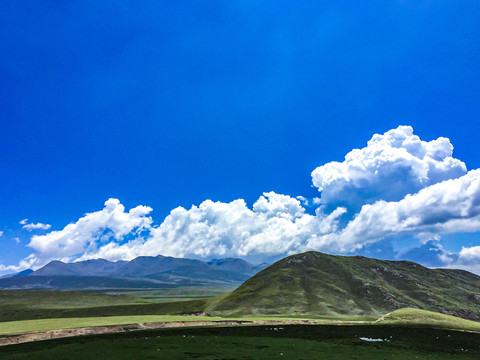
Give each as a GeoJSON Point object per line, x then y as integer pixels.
{"type": "Point", "coordinates": [56, 262]}
{"type": "Point", "coordinates": [18, 274]}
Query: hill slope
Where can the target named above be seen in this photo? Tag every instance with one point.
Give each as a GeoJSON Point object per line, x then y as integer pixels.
{"type": "Point", "coordinates": [424, 318]}
{"type": "Point", "coordinates": [320, 284]}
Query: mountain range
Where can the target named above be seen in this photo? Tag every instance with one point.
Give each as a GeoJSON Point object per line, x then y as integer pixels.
{"type": "Point", "coordinates": [142, 272]}
{"type": "Point", "coordinates": [308, 284]}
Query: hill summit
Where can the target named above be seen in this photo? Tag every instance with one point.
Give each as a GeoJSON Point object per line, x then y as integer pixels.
{"type": "Point", "coordinates": [319, 284]}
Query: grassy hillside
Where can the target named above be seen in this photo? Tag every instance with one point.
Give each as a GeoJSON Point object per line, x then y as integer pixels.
{"type": "Point", "coordinates": [417, 317]}
{"type": "Point", "coordinates": [319, 284]}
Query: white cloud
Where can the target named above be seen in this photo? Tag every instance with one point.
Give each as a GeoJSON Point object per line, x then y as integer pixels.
{"type": "Point", "coordinates": [467, 259]}
{"type": "Point", "coordinates": [81, 236]}
{"type": "Point", "coordinates": [470, 255]}
{"type": "Point", "coordinates": [37, 226]}
{"type": "Point", "coordinates": [304, 201]}
{"type": "Point", "coordinates": [1, 233]}
{"type": "Point", "coordinates": [23, 222]}
{"type": "Point", "coordinates": [275, 224]}
{"type": "Point", "coordinates": [391, 166]}
{"type": "Point", "coordinates": [277, 205]}
{"type": "Point", "coordinates": [447, 207]}
{"type": "Point", "coordinates": [24, 264]}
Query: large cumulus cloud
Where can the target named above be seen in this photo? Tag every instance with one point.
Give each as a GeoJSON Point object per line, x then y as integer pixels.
{"type": "Point", "coordinates": [391, 166]}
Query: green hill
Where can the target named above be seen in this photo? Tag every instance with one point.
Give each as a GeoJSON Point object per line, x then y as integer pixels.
{"type": "Point", "coordinates": [424, 318]}
{"type": "Point", "coordinates": [318, 284]}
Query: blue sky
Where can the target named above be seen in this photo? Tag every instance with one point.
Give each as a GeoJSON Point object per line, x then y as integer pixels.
{"type": "Point", "coordinates": [163, 104]}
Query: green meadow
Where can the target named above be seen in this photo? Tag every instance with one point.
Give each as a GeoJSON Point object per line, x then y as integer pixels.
{"type": "Point", "coordinates": [27, 326]}
{"type": "Point", "coordinates": [28, 305]}
{"type": "Point", "coordinates": [259, 342]}
{"type": "Point", "coordinates": [403, 317]}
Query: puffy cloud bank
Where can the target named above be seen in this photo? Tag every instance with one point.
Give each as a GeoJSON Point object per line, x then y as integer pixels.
{"type": "Point", "coordinates": [110, 224]}
{"type": "Point", "coordinates": [447, 207]}
{"type": "Point", "coordinates": [391, 166]}
{"type": "Point", "coordinates": [396, 185]}
{"type": "Point", "coordinates": [275, 224]}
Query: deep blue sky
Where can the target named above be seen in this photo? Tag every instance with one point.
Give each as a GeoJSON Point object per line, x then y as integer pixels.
{"type": "Point", "coordinates": [167, 103]}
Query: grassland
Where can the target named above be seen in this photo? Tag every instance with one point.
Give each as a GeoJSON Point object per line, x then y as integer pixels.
{"type": "Point", "coordinates": [64, 299]}
{"type": "Point", "coordinates": [28, 305]}
{"type": "Point", "coordinates": [170, 295]}
{"type": "Point", "coordinates": [41, 325]}
{"type": "Point", "coordinates": [259, 342]}
{"type": "Point", "coordinates": [25, 326]}
{"type": "Point", "coordinates": [402, 317]}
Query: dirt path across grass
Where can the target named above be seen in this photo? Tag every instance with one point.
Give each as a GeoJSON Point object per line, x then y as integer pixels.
{"type": "Point", "coordinates": [93, 330]}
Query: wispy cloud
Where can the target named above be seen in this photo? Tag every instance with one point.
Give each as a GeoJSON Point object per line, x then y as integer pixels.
{"type": "Point", "coordinates": [34, 226]}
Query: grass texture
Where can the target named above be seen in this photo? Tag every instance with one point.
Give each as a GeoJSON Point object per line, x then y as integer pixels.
{"type": "Point", "coordinates": [259, 342]}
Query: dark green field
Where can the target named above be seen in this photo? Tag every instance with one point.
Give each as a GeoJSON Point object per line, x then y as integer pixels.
{"type": "Point", "coordinates": [27, 305]}
{"type": "Point", "coordinates": [259, 342]}
{"type": "Point", "coordinates": [169, 295]}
